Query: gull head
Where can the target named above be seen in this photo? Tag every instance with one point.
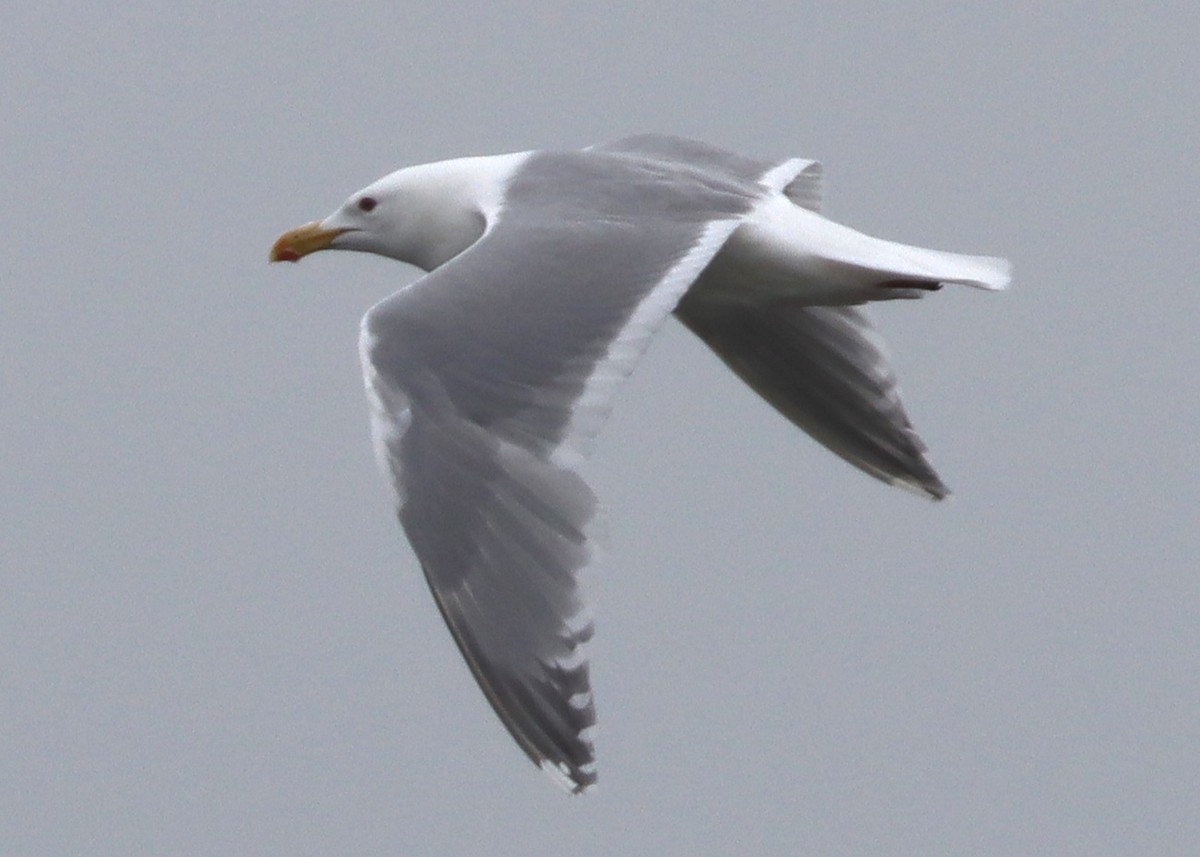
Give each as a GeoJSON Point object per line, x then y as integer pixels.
{"type": "Point", "coordinates": [422, 215]}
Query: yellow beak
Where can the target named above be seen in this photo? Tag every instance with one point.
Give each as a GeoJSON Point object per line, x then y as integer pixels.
{"type": "Point", "coordinates": [297, 243]}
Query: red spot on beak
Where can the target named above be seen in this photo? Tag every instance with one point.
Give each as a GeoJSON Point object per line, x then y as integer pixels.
{"type": "Point", "coordinates": [295, 244]}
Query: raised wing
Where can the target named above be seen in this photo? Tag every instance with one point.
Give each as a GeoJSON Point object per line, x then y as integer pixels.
{"type": "Point", "coordinates": [489, 377]}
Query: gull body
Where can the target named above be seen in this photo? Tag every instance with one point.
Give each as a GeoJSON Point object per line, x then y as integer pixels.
{"type": "Point", "coordinates": [548, 273]}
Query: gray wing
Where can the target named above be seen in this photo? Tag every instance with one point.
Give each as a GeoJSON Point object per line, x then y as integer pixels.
{"type": "Point", "coordinates": [488, 377]}
{"type": "Point", "coordinates": [826, 369]}
{"type": "Point", "coordinates": [798, 178]}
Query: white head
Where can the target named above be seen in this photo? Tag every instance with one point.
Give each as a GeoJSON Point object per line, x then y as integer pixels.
{"type": "Point", "coordinates": [422, 215]}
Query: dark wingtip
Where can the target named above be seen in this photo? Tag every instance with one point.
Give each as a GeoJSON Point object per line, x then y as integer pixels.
{"type": "Point", "coordinates": [922, 285]}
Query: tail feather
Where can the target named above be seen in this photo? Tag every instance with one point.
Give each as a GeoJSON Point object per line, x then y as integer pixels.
{"type": "Point", "coordinates": [785, 251]}
{"type": "Point", "coordinates": [980, 272]}
{"type": "Point", "coordinates": [893, 265]}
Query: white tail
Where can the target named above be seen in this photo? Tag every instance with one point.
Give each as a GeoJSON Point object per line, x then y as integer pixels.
{"type": "Point", "coordinates": [783, 251]}
{"type": "Point", "coordinates": [981, 272]}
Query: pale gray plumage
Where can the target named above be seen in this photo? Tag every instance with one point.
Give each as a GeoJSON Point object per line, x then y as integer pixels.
{"type": "Point", "coordinates": [549, 271]}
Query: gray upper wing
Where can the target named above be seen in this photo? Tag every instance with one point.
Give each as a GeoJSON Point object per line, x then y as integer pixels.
{"type": "Point", "coordinates": [798, 178]}
{"type": "Point", "coordinates": [492, 371]}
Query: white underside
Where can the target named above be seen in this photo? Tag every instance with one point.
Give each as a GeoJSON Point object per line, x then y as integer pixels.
{"type": "Point", "coordinates": [783, 251]}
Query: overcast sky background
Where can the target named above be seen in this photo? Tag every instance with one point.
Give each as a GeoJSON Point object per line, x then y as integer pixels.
{"type": "Point", "coordinates": [213, 637]}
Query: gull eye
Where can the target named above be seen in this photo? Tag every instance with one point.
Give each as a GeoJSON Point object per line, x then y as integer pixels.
{"type": "Point", "coordinates": [367, 203]}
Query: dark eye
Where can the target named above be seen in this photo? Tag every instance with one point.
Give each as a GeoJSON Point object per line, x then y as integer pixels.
{"type": "Point", "coordinates": [367, 203]}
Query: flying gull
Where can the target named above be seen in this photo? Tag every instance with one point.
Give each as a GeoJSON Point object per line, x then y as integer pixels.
{"type": "Point", "coordinates": [548, 272]}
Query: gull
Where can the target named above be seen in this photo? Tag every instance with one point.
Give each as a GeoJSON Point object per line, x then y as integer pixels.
{"type": "Point", "coordinates": [547, 273]}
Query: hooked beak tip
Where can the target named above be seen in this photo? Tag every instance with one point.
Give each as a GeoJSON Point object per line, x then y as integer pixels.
{"type": "Point", "coordinates": [295, 244]}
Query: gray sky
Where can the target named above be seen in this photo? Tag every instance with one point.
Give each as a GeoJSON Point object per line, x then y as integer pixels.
{"type": "Point", "coordinates": [214, 639]}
